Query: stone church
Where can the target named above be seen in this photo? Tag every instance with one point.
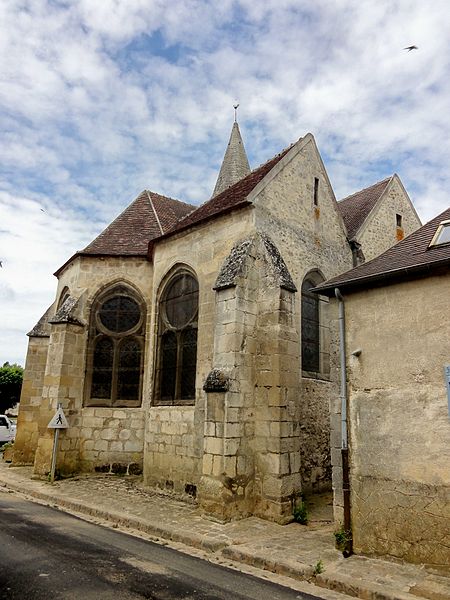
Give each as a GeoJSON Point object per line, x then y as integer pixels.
{"type": "Point", "coordinates": [185, 341]}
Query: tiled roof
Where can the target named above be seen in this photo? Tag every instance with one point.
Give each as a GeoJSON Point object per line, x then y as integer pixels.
{"type": "Point", "coordinates": [149, 216]}
{"type": "Point", "coordinates": [152, 217]}
{"type": "Point", "coordinates": [232, 197]}
{"type": "Point", "coordinates": [404, 260]}
{"type": "Point", "coordinates": [355, 208]}
{"type": "Point", "coordinates": [146, 218]}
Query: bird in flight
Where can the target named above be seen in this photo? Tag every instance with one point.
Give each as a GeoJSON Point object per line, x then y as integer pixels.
{"type": "Point", "coordinates": [409, 48]}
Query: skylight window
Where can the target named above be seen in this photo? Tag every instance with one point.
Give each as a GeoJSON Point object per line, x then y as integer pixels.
{"type": "Point", "coordinates": [442, 235]}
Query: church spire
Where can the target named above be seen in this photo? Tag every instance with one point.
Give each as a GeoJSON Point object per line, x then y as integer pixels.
{"type": "Point", "coordinates": [235, 163]}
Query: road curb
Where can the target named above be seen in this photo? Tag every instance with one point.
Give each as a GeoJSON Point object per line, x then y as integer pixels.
{"type": "Point", "coordinates": [300, 571]}
{"type": "Point", "coordinates": [331, 579]}
{"type": "Point", "coordinates": [166, 533]}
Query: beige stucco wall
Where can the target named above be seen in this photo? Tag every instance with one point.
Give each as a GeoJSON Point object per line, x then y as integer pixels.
{"type": "Point", "coordinates": [175, 435]}
{"type": "Point", "coordinates": [309, 238]}
{"type": "Point", "coordinates": [399, 421]}
{"type": "Point", "coordinates": [97, 437]}
{"type": "Point", "coordinates": [380, 232]}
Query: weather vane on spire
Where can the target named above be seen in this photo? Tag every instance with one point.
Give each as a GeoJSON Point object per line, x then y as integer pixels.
{"type": "Point", "coordinates": [235, 106]}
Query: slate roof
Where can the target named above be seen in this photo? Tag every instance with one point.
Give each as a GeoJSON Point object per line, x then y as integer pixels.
{"type": "Point", "coordinates": [407, 259]}
{"type": "Point", "coordinates": [233, 197]}
{"type": "Point", "coordinates": [355, 208]}
{"type": "Point", "coordinates": [235, 162]}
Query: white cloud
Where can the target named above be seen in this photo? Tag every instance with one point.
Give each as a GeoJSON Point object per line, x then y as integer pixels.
{"type": "Point", "coordinates": [101, 99]}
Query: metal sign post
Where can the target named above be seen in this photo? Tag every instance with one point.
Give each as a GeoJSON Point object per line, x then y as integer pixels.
{"type": "Point", "coordinates": [58, 422]}
{"type": "Point", "coordinates": [55, 450]}
{"type": "Point", "coordinates": [447, 381]}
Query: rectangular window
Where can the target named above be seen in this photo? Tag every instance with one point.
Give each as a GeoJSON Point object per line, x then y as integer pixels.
{"type": "Point", "coordinates": [398, 219]}
{"type": "Point", "coordinates": [316, 191]}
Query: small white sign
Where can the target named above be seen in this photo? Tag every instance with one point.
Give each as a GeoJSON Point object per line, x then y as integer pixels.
{"type": "Point", "coordinates": [59, 421]}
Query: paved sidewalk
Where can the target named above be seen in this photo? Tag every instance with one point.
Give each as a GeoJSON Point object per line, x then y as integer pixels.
{"type": "Point", "coordinates": [295, 551]}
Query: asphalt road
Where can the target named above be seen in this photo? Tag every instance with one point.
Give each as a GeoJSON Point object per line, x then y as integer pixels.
{"type": "Point", "coordinates": [47, 554]}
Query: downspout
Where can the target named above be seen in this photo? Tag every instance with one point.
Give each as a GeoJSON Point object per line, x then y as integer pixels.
{"type": "Point", "coordinates": [344, 431]}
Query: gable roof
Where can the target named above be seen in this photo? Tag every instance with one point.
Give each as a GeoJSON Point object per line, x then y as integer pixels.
{"type": "Point", "coordinates": [231, 198]}
{"type": "Point", "coordinates": [405, 260]}
{"type": "Point", "coordinates": [356, 208]}
{"type": "Point", "coordinates": [146, 218]}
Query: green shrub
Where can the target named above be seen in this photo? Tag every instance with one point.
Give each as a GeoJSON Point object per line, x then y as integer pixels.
{"type": "Point", "coordinates": [343, 539]}
{"type": "Point", "coordinates": [319, 568]}
{"type": "Point", "coordinates": [300, 512]}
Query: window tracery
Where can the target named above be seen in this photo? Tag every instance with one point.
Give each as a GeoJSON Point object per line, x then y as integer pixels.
{"type": "Point", "coordinates": [177, 341]}
{"type": "Point", "coordinates": [116, 340]}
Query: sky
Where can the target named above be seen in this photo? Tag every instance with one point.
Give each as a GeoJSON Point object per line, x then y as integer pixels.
{"type": "Point", "coordinates": [100, 99]}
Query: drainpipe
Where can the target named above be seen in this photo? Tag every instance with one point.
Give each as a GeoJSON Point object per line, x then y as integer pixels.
{"type": "Point", "coordinates": [344, 432]}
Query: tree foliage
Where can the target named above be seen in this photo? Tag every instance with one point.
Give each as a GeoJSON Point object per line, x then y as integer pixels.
{"type": "Point", "coordinates": [11, 377]}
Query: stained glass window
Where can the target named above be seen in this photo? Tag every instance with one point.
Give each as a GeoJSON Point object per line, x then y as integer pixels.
{"type": "Point", "coordinates": [102, 368]}
{"type": "Point", "coordinates": [115, 350]}
{"type": "Point", "coordinates": [168, 365]}
{"type": "Point", "coordinates": [177, 347]}
{"type": "Point", "coordinates": [129, 372]}
{"type": "Point", "coordinates": [120, 314]}
{"type": "Point", "coordinates": [188, 362]}
{"type": "Point", "coordinates": [310, 328]}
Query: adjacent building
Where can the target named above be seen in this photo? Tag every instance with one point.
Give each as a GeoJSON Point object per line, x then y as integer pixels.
{"type": "Point", "coordinates": [398, 371]}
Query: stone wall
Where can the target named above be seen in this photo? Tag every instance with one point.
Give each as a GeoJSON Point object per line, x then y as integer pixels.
{"type": "Point", "coordinates": [96, 437]}
{"type": "Point", "coordinates": [174, 440]}
{"type": "Point", "coordinates": [110, 438]}
{"type": "Point", "coordinates": [310, 238]}
{"type": "Point", "coordinates": [30, 402]}
{"type": "Point", "coordinates": [380, 231]}
{"type": "Point", "coordinates": [172, 456]}
{"type": "Point", "coordinates": [399, 422]}
{"type": "Point", "coordinates": [251, 455]}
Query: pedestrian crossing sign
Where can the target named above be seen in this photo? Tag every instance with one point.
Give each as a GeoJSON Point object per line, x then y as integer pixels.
{"type": "Point", "coordinates": [59, 420]}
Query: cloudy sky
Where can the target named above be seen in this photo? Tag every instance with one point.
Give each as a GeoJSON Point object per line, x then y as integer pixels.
{"type": "Point", "coordinates": [100, 99]}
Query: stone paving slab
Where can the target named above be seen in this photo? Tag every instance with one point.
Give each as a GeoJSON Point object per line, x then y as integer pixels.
{"type": "Point", "coordinates": [302, 553]}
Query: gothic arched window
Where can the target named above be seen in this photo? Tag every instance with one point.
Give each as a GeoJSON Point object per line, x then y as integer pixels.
{"type": "Point", "coordinates": [314, 328]}
{"type": "Point", "coordinates": [63, 296]}
{"type": "Point", "coordinates": [116, 340]}
{"type": "Point", "coordinates": [177, 341]}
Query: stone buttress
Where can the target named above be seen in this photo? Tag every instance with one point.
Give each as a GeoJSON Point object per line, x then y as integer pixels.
{"type": "Point", "coordinates": [251, 458]}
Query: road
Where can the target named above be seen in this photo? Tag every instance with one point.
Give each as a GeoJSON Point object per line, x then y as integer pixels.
{"type": "Point", "coordinates": [48, 554]}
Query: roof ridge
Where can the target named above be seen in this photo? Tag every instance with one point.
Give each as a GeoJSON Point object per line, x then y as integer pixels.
{"type": "Point", "coordinates": [409, 255]}
{"type": "Point", "coordinates": [386, 179]}
{"type": "Point", "coordinates": [154, 210]}
{"type": "Point", "coordinates": [261, 166]}
{"type": "Point", "coordinates": [284, 151]}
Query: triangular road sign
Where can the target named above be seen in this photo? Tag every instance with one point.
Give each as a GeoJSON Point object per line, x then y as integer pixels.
{"type": "Point", "coordinates": [59, 421]}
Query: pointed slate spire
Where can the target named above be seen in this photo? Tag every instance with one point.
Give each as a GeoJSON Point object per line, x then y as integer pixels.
{"type": "Point", "coordinates": [235, 163]}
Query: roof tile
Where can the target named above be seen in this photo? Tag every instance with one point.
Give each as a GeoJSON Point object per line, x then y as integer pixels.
{"type": "Point", "coordinates": [411, 255]}
{"type": "Point", "coordinates": [143, 220]}
{"type": "Point", "coordinates": [355, 208]}
{"type": "Point", "coordinates": [232, 197]}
